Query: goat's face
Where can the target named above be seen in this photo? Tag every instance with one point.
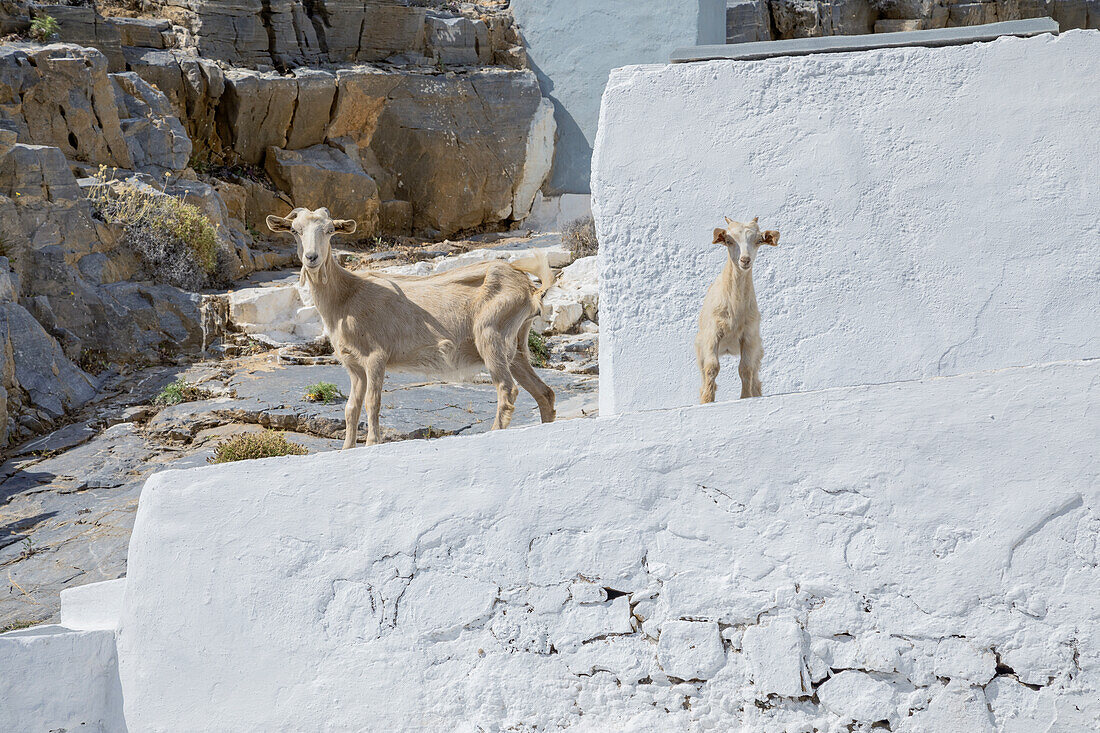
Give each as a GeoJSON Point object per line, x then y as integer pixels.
{"type": "Point", "coordinates": [743, 240]}
{"type": "Point", "coordinates": [313, 230]}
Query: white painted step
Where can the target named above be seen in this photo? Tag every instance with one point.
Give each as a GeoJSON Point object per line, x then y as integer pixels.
{"type": "Point", "coordinates": [914, 533]}
{"type": "Point", "coordinates": [56, 679]}
{"type": "Point", "coordinates": [93, 607]}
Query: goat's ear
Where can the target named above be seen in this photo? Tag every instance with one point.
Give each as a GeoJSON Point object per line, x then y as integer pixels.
{"type": "Point", "coordinates": [279, 224]}
{"type": "Point", "coordinates": [770, 237]}
{"type": "Point", "coordinates": [719, 236]}
{"type": "Point", "coordinates": [345, 226]}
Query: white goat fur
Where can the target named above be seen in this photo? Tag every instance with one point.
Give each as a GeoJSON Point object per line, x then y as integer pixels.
{"type": "Point", "coordinates": [448, 325]}
{"type": "Point", "coordinates": [729, 321]}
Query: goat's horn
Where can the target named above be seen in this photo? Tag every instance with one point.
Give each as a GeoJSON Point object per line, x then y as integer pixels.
{"type": "Point", "coordinates": [729, 221]}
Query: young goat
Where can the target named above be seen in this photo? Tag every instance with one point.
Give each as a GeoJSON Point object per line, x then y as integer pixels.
{"type": "Point", "coordinates": [451, 324]}
{"type": "Point", "coordinates": [729, 322]}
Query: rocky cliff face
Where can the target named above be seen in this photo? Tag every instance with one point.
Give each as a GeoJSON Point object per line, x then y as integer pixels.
{"type": "Point", "coordinates": [764, 20]}
{"type": "Point", "coordinates": [408, 118]}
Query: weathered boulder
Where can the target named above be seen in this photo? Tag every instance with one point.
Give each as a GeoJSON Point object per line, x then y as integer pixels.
{"type": "Point", "coordinates": [61, 95]}
{"type": "Point", "coordinates": [38, 384]}
{"type": "Point", "coordinates": [747, 20]}
{"type": "Point", "coordinates": [256, 112]}
{"type": "Point", "coordinates": [574, 297]}
{"type": "Point", "coordinates": [324, 175]}
{"type": "Point", "coordinates": [156, 138]}
{"type": "Point", "coordinates": [457, 40]}
{"type": "Point", "coordinates": [457, 143]}
{"type": "Point", "coordinates": [193, 86]}
{"type": "Point", "coordinates": [142, 32]}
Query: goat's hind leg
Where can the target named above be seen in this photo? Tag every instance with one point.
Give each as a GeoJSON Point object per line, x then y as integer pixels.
{"type": "Point", "coordinates": [529, 379]}
{"type": "Point", "coordinates": [497, 355]}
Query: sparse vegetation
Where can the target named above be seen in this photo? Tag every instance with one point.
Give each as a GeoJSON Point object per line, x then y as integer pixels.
{"type": "Point", "coordinates": [540, 352]}
{"type": "Point", "coordinates": [176, 241]}
{"type": "Point", "coordinates": [17, 625]}
{"type": "Point", "coordinates": [248, 446]}
{"type": "Point", "coordinates": [579, 236]}
{"type": "Point", "coordinates": [180, 391]}
{"type": "Point", "coordinates": [325, 392]}
{"type": "Point", "coordinates": [44, 28]}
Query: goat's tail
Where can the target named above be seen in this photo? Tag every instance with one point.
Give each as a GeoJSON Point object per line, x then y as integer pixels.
{"type": "Point", "coordinates": [539, 266]}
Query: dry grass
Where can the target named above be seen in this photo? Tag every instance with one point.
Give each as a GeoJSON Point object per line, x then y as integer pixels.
{"type": "Point", "coordinates": [579, 236]}
{"type": "Point", "coordinates": [249, 446]}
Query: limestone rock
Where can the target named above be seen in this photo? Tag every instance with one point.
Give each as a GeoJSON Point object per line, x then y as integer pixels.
{"type": "Point", "coordinates": [457, 40]}
{"type": "Point", "coordinates": [256, 111]}
{"type": "Point", "coordinates": [39, 368]}
{"type": "Point", "coordinates": [155, 137]}
{"type": "Point", "coordinates": [574, 297]}
{"type": "Point", "coordinates": [690, 650]}
{"type": "Point", "coordinates": [142, 32]}
{"type": "Point", "coordinates": [323, 175]}
{"type": "Point", "coordinates": [84, 26]}
{"type": "Point", "coordinates": [36, 172]}
{"type": "Point", "coordinates": [458, 143]}
{"type": "Point", "coordinates": [60, 95]}
{"type": "Point", "coordinates": [193, 86]}
{"type": "Point", "coordinates": [747, 20]}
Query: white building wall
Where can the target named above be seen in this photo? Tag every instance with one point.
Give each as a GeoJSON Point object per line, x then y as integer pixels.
{"type": "Point", "coordinates": [652, 571]}
{"type": "Point", "coordinates": [573, 45]}
{"type": "Point", "coordinates": [937, 210]}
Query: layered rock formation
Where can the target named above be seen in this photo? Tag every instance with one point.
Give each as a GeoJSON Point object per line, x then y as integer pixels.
{"type": "Point", "coordinates": [764, 20]}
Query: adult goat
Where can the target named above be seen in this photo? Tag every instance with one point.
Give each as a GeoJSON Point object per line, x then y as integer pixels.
{"type": "Point", "coordinates": [448, 325]}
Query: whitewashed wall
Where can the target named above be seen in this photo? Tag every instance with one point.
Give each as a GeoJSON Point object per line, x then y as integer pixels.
{"type": "Point", "coordinates": [761, 550]}
{"type": "Point", "coordinates": [55, 679]}
{"type": "Point", "coordinates": [573, 45]}
{"type": "Point", "coordinates": [937, 210]}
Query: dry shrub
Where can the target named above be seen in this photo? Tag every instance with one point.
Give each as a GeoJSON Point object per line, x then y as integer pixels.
{"type": "Point", "coordinates": [176, 242]}
{"type": "Point", "coordinates": [579, 236]}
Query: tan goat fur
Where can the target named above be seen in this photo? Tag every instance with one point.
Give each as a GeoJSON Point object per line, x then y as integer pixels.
{"type": "Point", "coordinates": [729, 321]}
{"type": "Point", "coordinates": [449, 325]}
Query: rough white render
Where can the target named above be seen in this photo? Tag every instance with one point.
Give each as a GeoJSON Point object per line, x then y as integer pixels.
{"type": "Point", "coordinates": [573, 45]}
{"type": "Point", "coordinates": [55, 679]}
{"type": "Point", "coordinates": [93, 607]}
{"type": "Point", "coordinates": [937, 209]}
{"type": "Point", "coordinates": [922, 553]}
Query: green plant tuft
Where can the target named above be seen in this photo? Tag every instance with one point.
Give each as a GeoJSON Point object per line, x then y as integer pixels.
{"type": "Point", "coordinates": [17, 625]}
{"type": "Point", "coordinates": [325, 392]}
{"type": "Point", "coordinates": [44, 27]}
{"type": "Point", "coordinates": [540, 352]}
{"type": "Point", "coordinates": [248, 446]}
{"type": "Point", "coordinates": [180, 391]}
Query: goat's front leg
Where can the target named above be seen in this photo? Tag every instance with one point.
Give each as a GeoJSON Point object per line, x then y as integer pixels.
{"type": "Point", "coordinates": [354, 406]}
{"type": "Point", "coordinates": [375, 376]}
{"type": "Point", "coordinates": [752, 353]}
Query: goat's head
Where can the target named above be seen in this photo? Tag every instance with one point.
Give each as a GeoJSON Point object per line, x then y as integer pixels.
{"type": "Point", "coordinates": [313, 230]}
{"type": "Point", "coordinates": [743, 240]}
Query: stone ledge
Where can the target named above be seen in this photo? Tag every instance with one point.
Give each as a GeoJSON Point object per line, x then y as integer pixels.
{"type": "Point", "coordinates": [837, 44]}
